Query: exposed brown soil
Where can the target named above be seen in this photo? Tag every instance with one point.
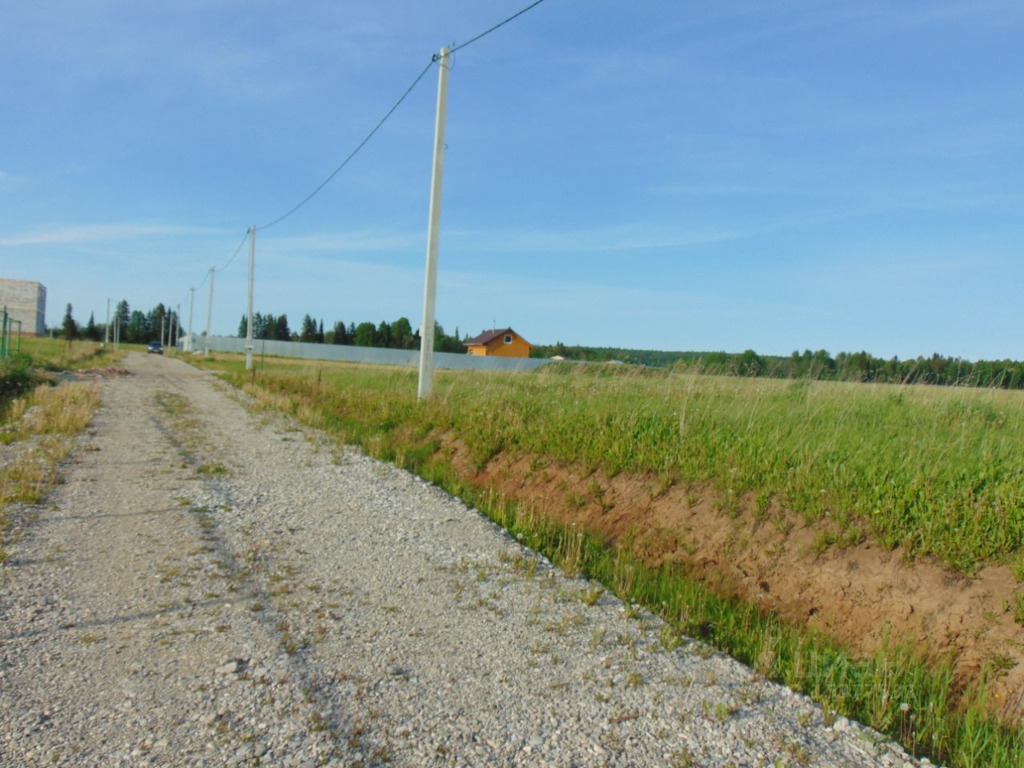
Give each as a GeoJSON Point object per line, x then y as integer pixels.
{"type": "Point", "coordinates": [855, 594]}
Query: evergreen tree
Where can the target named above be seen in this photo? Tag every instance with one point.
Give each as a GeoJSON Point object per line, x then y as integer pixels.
{"type": "Point", "coordinates": [264, 326]}
{"type": "Point", "coordinates": [70, 326]}
{"type": "Point", "coordinates": [92, 331]}
{"type": "Point", "coordinates": [138, 330]}
{"type": "Point", "coordinates": [156, 320]}
{"type": "Point", "coordinates": [308, 332]}
{"type": "Point", "coordinates": [122, 316]}
{"type": "Point", "coordinates": [281, 332]}
{"type": "Point", "coordinates": [340, 333]}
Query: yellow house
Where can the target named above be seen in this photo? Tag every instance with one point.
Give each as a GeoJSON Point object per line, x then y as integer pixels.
{"type": "Point", "coordinates": [503, 343]}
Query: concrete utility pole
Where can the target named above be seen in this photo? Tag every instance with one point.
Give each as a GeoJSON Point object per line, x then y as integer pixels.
{"type": "Point", "coordinates": [248, 327]}
{"type": "Point", "coordinates": [191, 306]}
{"type": "Point", "coordinates": [209, 314]}
{"type": "Point", "coordinates": [433, 234]}
{"type": "Point", "coordinates": [106, 328]}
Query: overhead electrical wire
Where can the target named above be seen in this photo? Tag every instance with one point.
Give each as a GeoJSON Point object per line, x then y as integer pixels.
{"type": "Point", "coordinates": [206, 274]}
{"type": "Point", "coordinates": [354, 152]}
{"type": "Point", "coordinates": [434, 59]}
{"type": "Point", "coordinates": [363, 143]}
{"type": "Point", "coordinates": [235, 254]}
{"type": "Point", "coordinates": [497, 26]}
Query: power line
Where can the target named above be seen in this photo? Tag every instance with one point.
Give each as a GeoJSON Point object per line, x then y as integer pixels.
{"type": "Point", "coordinates": [391, 111]}
{"type": "Point", "coordinates": [206, 275]}
{"type": "Point", "coordinates": [355, 151]}
{"type": "Point", "coordinates": [435, 58]}
{"type": "Point", "coordinates": [237, 251]}
{"type": "Point", "coordinates": [496, 26]}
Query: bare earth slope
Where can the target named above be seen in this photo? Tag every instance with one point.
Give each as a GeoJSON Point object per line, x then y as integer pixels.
{"type": "Point", "coordinates": [215, 587]}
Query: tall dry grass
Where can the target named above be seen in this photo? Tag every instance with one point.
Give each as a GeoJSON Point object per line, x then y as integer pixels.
{"type": "Point", "coordinates": [38, 433]}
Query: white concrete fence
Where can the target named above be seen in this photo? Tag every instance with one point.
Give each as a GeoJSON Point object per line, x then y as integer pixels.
{"type": "Point", "coordinates": [371, 355]}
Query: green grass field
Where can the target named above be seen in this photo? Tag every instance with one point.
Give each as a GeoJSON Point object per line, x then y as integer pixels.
{"type": "Point", "coordinates": [34, 360]}
{"type": "Point", "coordinates": [46, 354]}
{"type": "Point", "coordinates": [33, 448]}
{"type": "Point", "coordinates": [936, 471]}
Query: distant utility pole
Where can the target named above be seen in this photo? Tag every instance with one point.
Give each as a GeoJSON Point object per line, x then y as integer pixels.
{"type": "Point", "coordinates": [209, 313]}
{"type": "Point", "coordinates": [191, 306]}
{"type": "Point", "coordinates": [433, 235]}
{"type": "Point", "coordinates": [248, 325]}
{"type": "Point", "coordinates": [106, 328]}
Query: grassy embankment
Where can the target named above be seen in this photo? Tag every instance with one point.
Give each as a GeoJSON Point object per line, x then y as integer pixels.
{"type": "Point", "coordinates": [38, 420]}
{"type": "Point", "coordinates": [936, 472]}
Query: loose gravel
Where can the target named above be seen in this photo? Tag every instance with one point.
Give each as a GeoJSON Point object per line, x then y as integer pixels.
{"type": "Point", "coordinates": [216, 586]}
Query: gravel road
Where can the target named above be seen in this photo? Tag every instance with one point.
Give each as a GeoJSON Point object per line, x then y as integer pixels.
{"type": "Point", "coordinates": [215, 586]}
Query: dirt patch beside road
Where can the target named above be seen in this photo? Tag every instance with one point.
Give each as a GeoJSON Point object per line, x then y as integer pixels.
{"type": "Point", "coordinates": [862, 595]}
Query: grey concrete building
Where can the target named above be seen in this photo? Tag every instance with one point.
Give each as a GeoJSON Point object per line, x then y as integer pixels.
{"type": "Point", "coordinates": [25, 301]}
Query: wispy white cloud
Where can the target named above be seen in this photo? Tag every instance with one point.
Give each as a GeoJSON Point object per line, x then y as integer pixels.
{"type": "Point", "coordinates": [103, 232]}
{"type": "Point", "coordinates": [225, 50]}
{"type": "Point", "coordinates": [348, 243]}
{"type": "Point", "coordinates": [596, 240]}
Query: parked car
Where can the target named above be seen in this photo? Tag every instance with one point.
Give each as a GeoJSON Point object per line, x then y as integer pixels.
{"type": "Point", "coordinates": [155, 348]}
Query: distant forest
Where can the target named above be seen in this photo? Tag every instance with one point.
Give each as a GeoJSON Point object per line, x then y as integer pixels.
{"type": "Point", "coordinates": [820, 365]}
{"type": "Point", "coordinates": [133, 326]}
{"type": "Point", "coordinates": [395, 335]}
{"type": "Point", "coordinates": [139, 327]}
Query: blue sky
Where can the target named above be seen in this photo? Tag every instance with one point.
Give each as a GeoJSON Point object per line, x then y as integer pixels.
{"type": "Point", "coordinates": [651, 174]}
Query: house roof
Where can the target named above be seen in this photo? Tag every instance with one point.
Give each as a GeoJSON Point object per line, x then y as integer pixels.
{"type": "Point", "coordinates": [487, 336]}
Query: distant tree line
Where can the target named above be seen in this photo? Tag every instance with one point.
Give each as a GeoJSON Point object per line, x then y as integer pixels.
{"type": "Point", "coordinates": [136, 327]}
{"type": "Point", "coordinates": [820, 365]}
{"type": "Point", "coordinates": [394, 335]}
